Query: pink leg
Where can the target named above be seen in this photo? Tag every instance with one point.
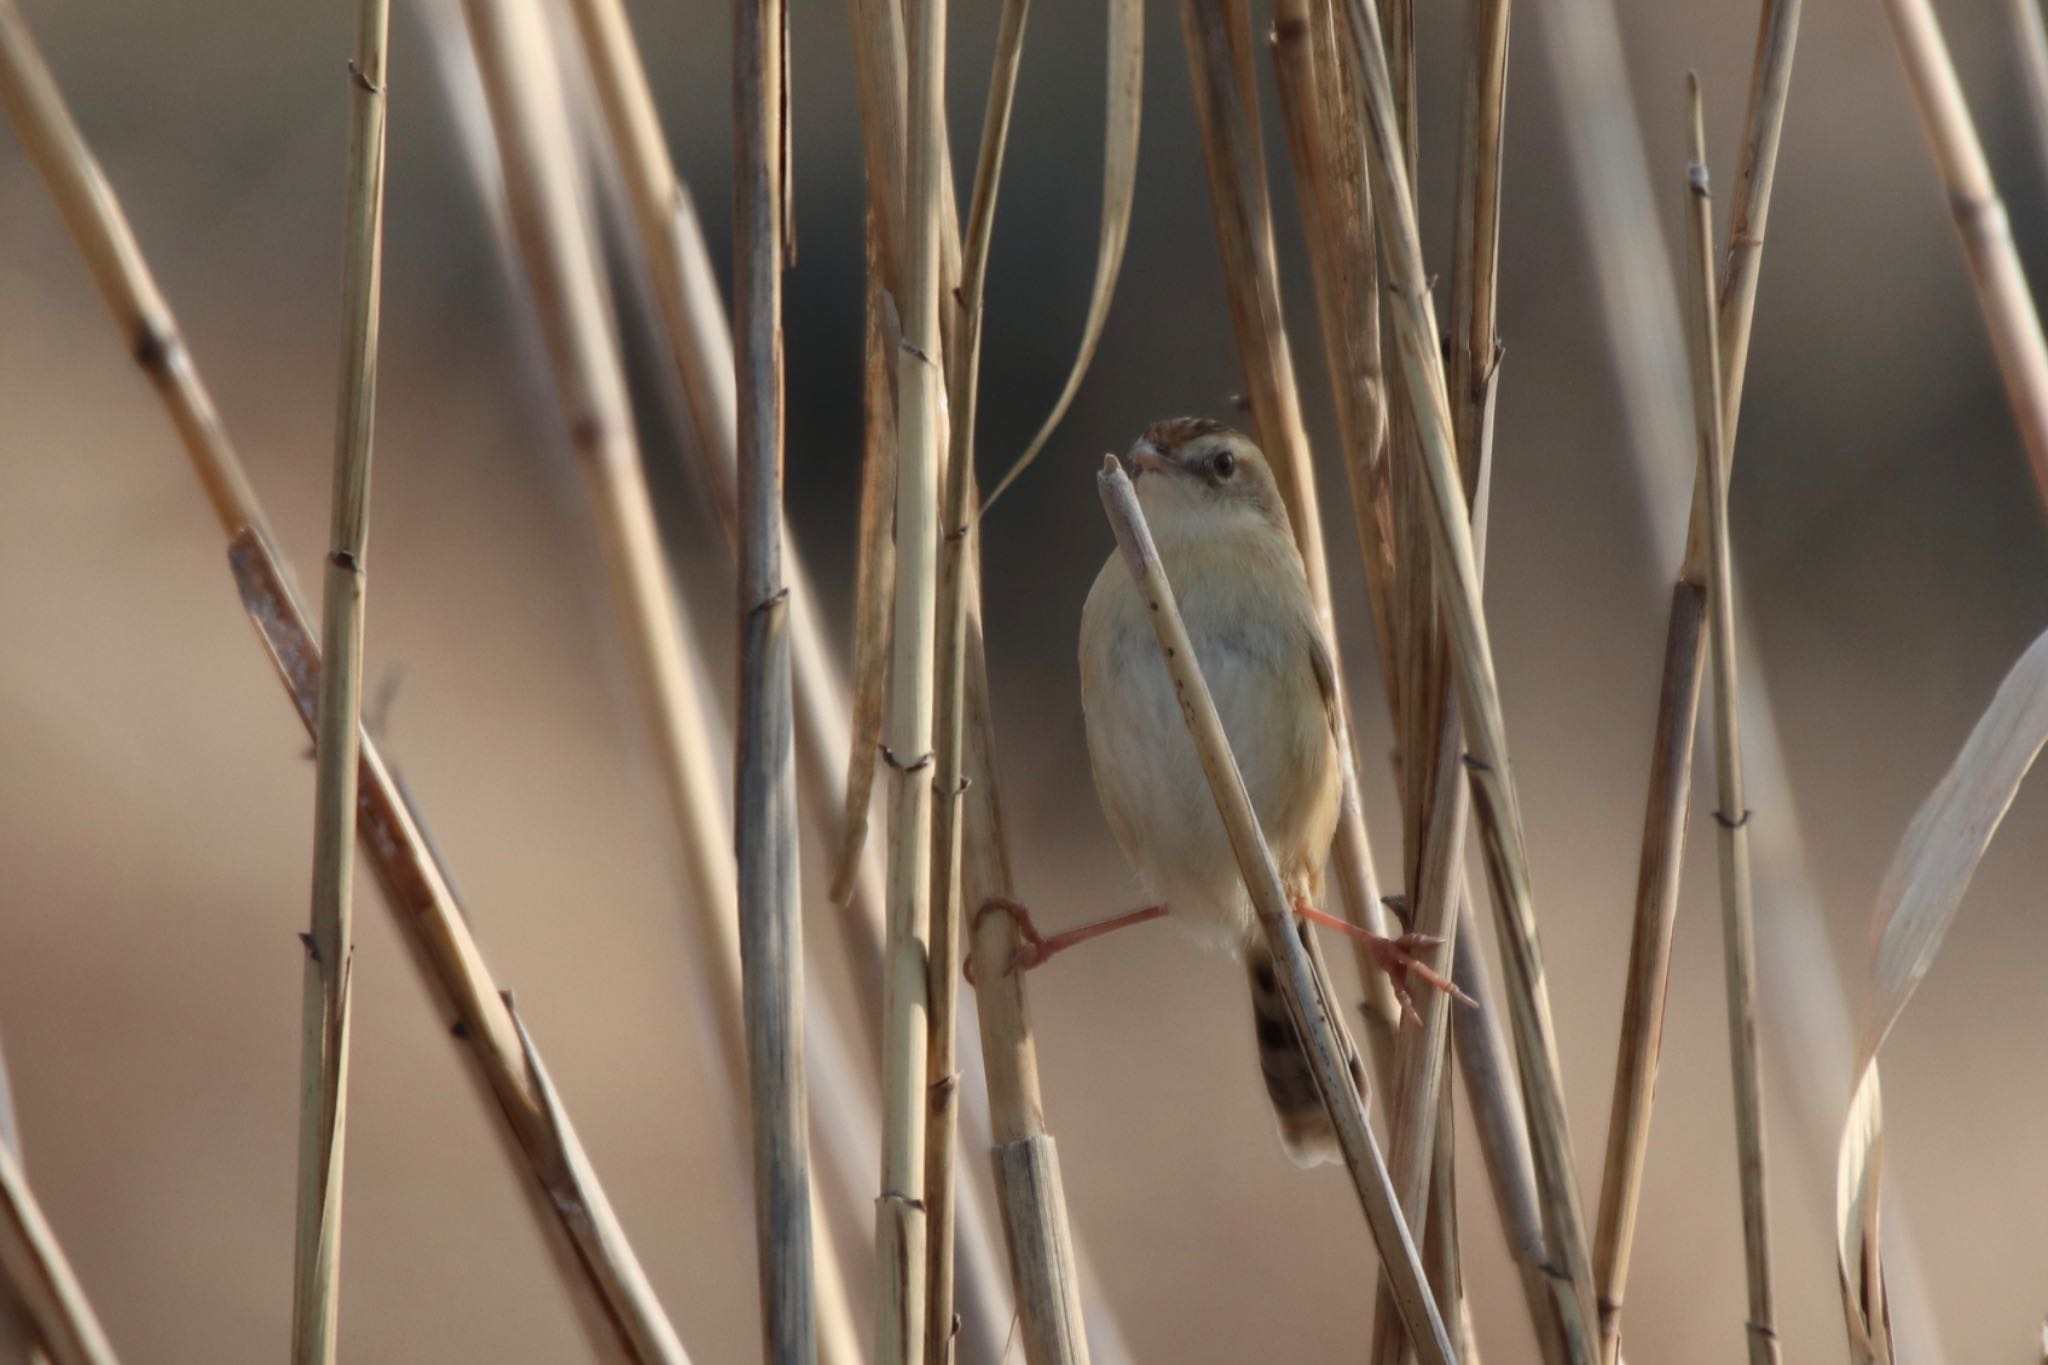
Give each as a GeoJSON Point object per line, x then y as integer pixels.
{"type": "Point", "coordinates": [1034, 948]}
{"type": "Point", "coordinates": [1396, 957]}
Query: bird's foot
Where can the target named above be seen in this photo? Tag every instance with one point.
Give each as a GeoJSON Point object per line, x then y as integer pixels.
{"type": "Point", "coordinates": [1033, 947]}
{"type": "Point", "coordinates": [1395, 956]}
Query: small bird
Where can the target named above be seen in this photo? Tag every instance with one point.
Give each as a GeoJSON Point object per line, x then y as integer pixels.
{"type": "Point", "coordinates": [1224, 538]}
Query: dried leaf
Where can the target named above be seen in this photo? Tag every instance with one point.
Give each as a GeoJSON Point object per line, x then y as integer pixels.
{"type": "Point", "coordinates": [1119, 187]}
{"type": "Point", "coordinates": [1915, 907]}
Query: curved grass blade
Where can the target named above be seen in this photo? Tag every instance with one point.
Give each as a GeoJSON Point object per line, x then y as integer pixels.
{"type": "Point", "coordinates": [1119, 188]}
{"type": "Point", "coordinates": [1915, 907]}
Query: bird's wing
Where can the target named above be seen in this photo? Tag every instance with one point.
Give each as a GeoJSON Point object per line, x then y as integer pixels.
{"type": "Point", "coordinates": [1326, 683]}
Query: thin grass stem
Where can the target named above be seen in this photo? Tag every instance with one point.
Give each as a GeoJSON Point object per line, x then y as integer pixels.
{"type": "Point", "coordinates": [1738, 910]}
{"type": "Point", "coordinates": [961, 545]}
{"type": "Point", "coordinates": [330, 946]}
{"type": "Point", "coordinates": [1667, 804]}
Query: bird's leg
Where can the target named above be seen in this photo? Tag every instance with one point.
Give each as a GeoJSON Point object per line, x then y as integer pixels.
{"type": "Point", "coordinates": [1395, 956]}
{"type": "Point", "coordinates": [1034, 948]}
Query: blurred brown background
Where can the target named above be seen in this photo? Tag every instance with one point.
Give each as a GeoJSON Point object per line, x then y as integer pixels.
{"type": "Point", "coordinates": [155, 799]}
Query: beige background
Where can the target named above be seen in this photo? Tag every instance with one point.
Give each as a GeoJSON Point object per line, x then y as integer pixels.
{"type": "Point", "coordinates": [155, 798]}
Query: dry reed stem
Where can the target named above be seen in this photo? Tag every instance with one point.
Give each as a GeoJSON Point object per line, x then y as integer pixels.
{"type": "Point", "coordinates": [874, 565]}
{"type": "Point", "coordinates": [1217, 34]}
{"type": "Point", "coordinates": [961, 547]}
{"type": "Point", "coordinates": [1330, 188]}
{"type": "Point", "coordinates": [1422, 1056]}
{"type": "Point", "coordinates": [771, 930]}
{"type": "Point", "coordinates": [2030, 35]}
{"type": "Point", "coordinates": [1491, 1097]}
{"type": "Point", "coordinates": [2001, 284]}
{"type": "Point", "coordinates": [673, 242]}
{"type": "Point", "coordinates": [1045, 1267]}
{"type": "Point", "coordinates": [1649, 965]}
{"type": "Point", "coordinates": [1316, 1016]}
{"type": "Point", "coordinates": [330, 946]}
{"type": "Point", "coordinates": [1738, 923]}
{"type": "Point", "coordinates": [900, 1230]}
{"type": "Point", "coordinates": [1668, 801]}
{"type": "Point", "coordinates": [415, 886]}
{"type": "Point", "coordinates": [521, 88]}
{"type": "Point", "coordinates": [34, 1264]}
{"type": "Point", "coordinates": [1493, 790]}
{"type": "Point", "coordinates": [421, 897]}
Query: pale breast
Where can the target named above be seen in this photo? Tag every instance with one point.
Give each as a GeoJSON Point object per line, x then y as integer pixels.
{"type": "Point", "coordinates": [1257, 659]}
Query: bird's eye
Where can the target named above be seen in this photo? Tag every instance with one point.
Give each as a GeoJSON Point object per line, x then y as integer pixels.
{"type": "Point", "coordinates": [1225, 464]}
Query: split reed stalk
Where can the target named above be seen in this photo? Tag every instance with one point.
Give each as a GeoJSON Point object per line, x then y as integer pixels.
{"type": "Point", "coordinates": [569, 1198]}
{"type": "Point", "coordinates": [1330, 188]}
{"type": "Point", "coordinates": [2001, 283]}
{"type": "Point", "coordinates": [1422, 1056]}
{"type": "Point", "coordinates": [1317, 1017]}
{"type": "Point", "coordinates": [1738, 910]}
{"type": "Point", "coordinates": [1218, 38]}
{"type": "Point", "coordinates": [1493, 791]}
{"type": "Point", "coordinates": [1668, 802]}
{"type": "Point", "coordinates": [771, 930]}
{"type": "Point", "coordinates": [330, 946]}
{"type": "Point", "coordinates": [900, 1231]}
{"type": "Point", "coordinates": [960, 548]}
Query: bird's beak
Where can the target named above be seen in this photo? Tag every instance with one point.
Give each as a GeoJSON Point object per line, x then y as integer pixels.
{"type": "Point", "coordinates": [1148, 457]}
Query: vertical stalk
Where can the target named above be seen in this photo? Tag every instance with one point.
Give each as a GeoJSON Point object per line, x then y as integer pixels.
{"type": "Point", "coordinates": [1738, 910]}
{"type": "Point", "coordinates": [961, 548]}
{"type": "Point", "coordinates": [771, 932]}
{"type": "Point", "coordinates": [330, 947]}
{"type": "Point", "coordinates": [900, 1231]}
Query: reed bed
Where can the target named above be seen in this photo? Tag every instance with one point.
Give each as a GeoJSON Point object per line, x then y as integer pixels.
{"type": "Point", "coordinates": [572, 1203]}
{"type": "Point", "coordinates": [1414, 404]}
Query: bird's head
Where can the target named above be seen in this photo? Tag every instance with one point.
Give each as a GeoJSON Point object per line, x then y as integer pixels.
{"type": "Point", "coordinates": [1198, 476]}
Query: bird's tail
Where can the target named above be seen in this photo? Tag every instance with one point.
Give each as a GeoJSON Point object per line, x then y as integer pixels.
{"type": "Point", "coordinates": [1305, 1128]}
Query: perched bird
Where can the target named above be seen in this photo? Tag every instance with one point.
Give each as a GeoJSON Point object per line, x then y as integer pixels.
{"type": "Point", "coordinates": [1228, 550]}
